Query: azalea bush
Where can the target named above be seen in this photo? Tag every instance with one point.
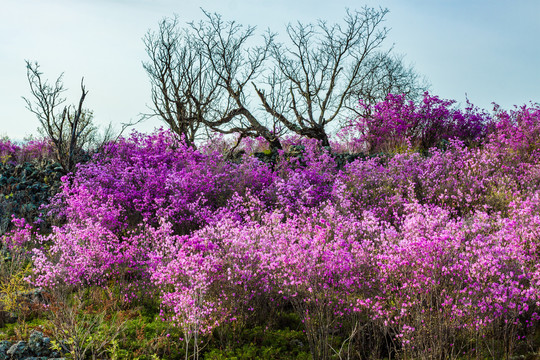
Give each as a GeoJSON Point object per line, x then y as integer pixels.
{"type": "Point", "coordinates": [144, 178]}
{"type": "Point", "coordinates": [396, 124]}
{"type": "Point", "coordinates": [431, 284]}
{"type": "Point", "coordinates": [32, 150]}
{"type": "Point", "coordinates": [516, 133]}
{"type": "Point", "coordinates": [443, 281]}
{"type": "Point", "coordinates": [428, 250]}
{"type": "Point", "coordinates": [7, 150]}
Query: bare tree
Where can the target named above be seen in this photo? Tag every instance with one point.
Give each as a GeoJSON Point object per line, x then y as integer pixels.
{"type": "Point", "coordinates": [389, 75]}
{"type": "Point", "coordinates": [184, 86]}
{"type": "Point", "coordinates": [207, 75]}
{"type": "Point", "coordinates": [70, 129]}
{"type": "Point", "coordinates": [328, 68]}
{"type": "Point", "coordinates": [200, 75]}
{"type": "Point", "coordinates": [236, 66]}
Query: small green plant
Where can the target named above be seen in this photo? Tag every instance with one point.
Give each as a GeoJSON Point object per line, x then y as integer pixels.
{"type": "Point", "coordinates": [83, 330]}
{"type": "Point", "coordinates": [15, 267]}
{"type": "Point", "coordinates": [5, 158]}
{"type": "Point", "coordinates": [12, 288]}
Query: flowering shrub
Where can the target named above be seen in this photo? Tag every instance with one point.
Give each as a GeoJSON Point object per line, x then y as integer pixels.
{"type": "Point", "coordinates": [35, 150]}
{"type": "Point", "coordinates": [316, 262]}
{"type": "Point", "coordinates": [219, 143]}
{"type": "Point", "coordinates": [436, 252]}
{"type": "Point", "coordinates": [442, 279]}
{"type": "Point", "coordinates": [8, 150]}
{"type": "Point", "coordinates": [84, 254]}
{"type": "Point", "coordinates": [144, 178]}
{"type": "Point", "coordinates": [396, 124]}
{"type": "Point", "coordinates": [20, 236]}
{"type": "Point", "coordinates": [305, 179]}
{"type": "Point", "coordinates": [460, 179]}
{"type": "Point", "coordinates": [516, 133]}
{"type": "Point", "coordinates": [431, 283]}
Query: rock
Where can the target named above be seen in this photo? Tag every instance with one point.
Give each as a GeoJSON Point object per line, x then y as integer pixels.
{"type": "Point", "coordinates": [296, 150]}
{"type": "Point", "coordinates": [39, 344]}
{"type": "Point", "coordinates": [27, 208]}
{"type": "Point", "coordinates": [19, 350]}
{"type": "Point", "coordinates": [268, 157]}
{"type": "Point", "coordinates": [296, 343]}
{"type": "Point", "coordinates": [4, 347]}
{"type": "Point", "coordinates": [24, 189]}
{"type": "Point", "coordinates": [54, 355]}
{"type": "Point", "coordinates": [34, 188]}
{"type": "Point", "coordinates": [35, 296]}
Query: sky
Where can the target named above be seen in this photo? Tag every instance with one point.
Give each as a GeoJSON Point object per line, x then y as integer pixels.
{"type": "Point", "coordinates": [484, 50]}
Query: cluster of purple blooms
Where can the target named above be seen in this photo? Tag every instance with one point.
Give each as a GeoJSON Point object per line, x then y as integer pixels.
{"type": "Point", "coordinates": [429, 247]}
{"type": "Point", "coordinates": [34, 150]}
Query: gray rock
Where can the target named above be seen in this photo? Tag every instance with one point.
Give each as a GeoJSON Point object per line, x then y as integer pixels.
{"type": "Point", "coordinates": [296, 150]}
{"type": "Point", "coordinates": [19, 350]}
{"type": "Point", "coordinates": [297, 343]}
{"type": "Point", "coordinates": [39, 344]}
{"type": "Point", "coordinates": [4, 347]}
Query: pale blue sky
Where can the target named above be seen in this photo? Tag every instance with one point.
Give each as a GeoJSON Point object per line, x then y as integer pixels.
{"type": "Point", "coordinates": [489, 49]}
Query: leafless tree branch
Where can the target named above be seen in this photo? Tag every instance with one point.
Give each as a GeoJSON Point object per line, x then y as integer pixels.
{"type": "Point", "coordinates": [70, 131]}
{"type": "Point", "coordinates": [200, 75]}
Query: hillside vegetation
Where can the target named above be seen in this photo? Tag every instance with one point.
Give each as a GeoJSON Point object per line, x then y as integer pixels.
{"type": "Point", "coordinates": [414, 235]}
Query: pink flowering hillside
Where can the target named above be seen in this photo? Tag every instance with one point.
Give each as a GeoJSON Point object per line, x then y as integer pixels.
{"type": "Point", "coordinates": [428, 250]}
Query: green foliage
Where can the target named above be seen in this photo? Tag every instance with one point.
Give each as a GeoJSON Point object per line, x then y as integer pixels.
{"type": "Point", "coordinates": [12, 288]}
{"type": "Point", "coordinates": [262, 343]}
{"type": "Point", "coordinates": [5, 158]}
{"type": "Point", "coordinates": [146, 337]}
{"type": "Point", "coordinates": [84, 323]}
